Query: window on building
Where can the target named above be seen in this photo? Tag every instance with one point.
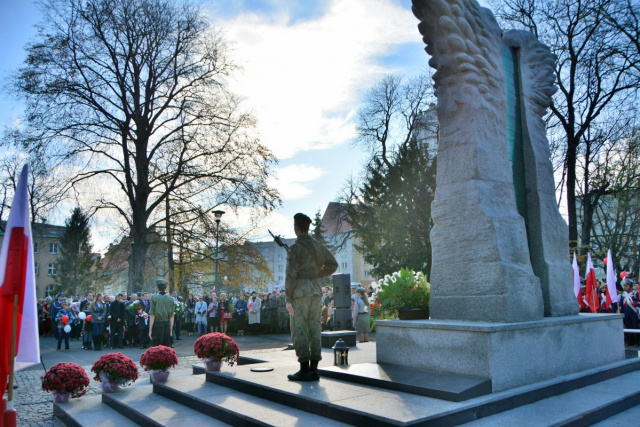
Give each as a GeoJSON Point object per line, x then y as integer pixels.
{"type": "Point", "coordinates": [344, 254]}
{"type": "Point", "coordinates": [279, 268]}
{"type": "Point", "coordinates": [53, 248]}
{"type": "Point", "coordinates": [36, 247]}
{"type": "Point", "coordinates": [36, 268]}
{"type": "Point", "coordinates": [344, 265]}
{"type": "Point", "coordinates": [279, 257]}
{"type": "Point", "coordinates": [52, 271]}
{"type": "Point", "coordinates": [50, 289]}
{"type": "Point", "coordinates": [280, 277]}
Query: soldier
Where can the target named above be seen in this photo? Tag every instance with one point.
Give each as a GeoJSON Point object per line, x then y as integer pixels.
{"type": "Point", "coordinates": [161, 316]}
{"type": "Point", "coordinates": [307, 262]}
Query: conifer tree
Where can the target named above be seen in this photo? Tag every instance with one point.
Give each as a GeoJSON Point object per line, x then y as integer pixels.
{"type": "Point", "coordinates": [75, 249]}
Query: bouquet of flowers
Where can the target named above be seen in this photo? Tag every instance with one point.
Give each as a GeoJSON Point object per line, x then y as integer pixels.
{"type": "Point", "coordinates": [134, 307]}
{"type": "Point", "coordinates": [179, 308]}
{"type": "Point", "coordinates": [217, 346]}
{"type": "Point", "coordinates": [66, 377]}
{"type": "Point", "coordinates": [158, 358]}
{"type": "Point", "coordinates": [403, 289]}
{"type": "Point", "coordinates": [116, 367]}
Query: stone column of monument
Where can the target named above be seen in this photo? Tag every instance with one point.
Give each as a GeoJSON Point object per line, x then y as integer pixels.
{"type": "Point", "coordinates": [481, 268]}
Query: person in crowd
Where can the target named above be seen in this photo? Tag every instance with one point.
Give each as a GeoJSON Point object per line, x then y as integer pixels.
{"type": "Point", "coordinates": [131, 321]}
{"type": "Point", "coordinates": [116, 310]}
{"type": "Point", "coordinates": [264, 312]}
{"type": "Point", "coordinates": [62, 334]}
{"type": "Point", "coordinates": [629, 302]}
{"type": "Point", "coordinates": [273, 312]}
{"type": "Point", "coordinates": [40, 308]}
{"type": "Point", "coordinates": [190, 313]}
{"type": "Point", "coordinates": [87, 326]}
{"type": "Point", "coordinates": [177, 318]}
{"type": "Point", "coordinates": [328, 298]}
{"type": "Point", "coordinates": [213, 318]}
{"type": "Point", "coordinates": [143, 320]}
{"type": "Point", "coordinates": [55, 308]}
{"type": "Point", "coordinates": [284, 320]}
{"type": "Point", "coordinates": [362, 324]}
{"type": "Point", "coordinates": [99, 316]}
{"type": "Point", "coordinates": [161, 316]}
{"type": "Point", "coordinates": [225, 312]}
{"type": "Point", "coordinates": [240, 309]}
{"type": "Point", "coordinates": [46, 317]}
{"type": "Point", "coordinates": [253, 307]}
{"type": "Point", "coordinates": [307, 262]}
{"type": "Point", "coordinates": [201, 315]}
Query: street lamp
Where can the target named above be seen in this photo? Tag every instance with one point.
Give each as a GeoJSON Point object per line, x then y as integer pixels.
{"type": "Point", "coordinates": [218, 214]}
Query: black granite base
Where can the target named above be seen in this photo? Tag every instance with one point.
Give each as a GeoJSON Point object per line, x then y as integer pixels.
{"type": "Point", "coordinates": [200, 369]}
{"type": "Point", "coordinates": [454, 388]}
{"type": "Point", "coordinates": [329, 338]}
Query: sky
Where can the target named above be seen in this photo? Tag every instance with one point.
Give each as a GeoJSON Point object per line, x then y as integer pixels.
{"type": "Point", "coordinates": [305, 67]}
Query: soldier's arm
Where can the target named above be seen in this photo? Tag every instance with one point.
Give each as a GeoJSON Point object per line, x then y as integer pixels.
{"type": "Point", "coordinates": [291, 272]}
{"type": "Point", "coordinates": [329, 264]}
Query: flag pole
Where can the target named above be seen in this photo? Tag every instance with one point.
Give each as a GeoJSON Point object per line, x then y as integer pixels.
{"type": "Point", "coordinates": [10, 415]}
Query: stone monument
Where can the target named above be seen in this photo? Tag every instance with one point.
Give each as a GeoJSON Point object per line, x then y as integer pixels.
{"type": "Point", "coordinates": [502, 303]}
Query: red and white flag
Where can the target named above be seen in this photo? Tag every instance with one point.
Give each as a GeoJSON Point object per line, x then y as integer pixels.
{"type": "Point", "coordinates": [592, 287]}
{"type": "Point", "coordinates": [17, 276]}
{"type": "Point", "coordinates": [612, 292]}
{"type": "Point", "coordinates": [577, 289]}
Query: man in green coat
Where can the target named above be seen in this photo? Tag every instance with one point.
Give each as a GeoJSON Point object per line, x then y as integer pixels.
{"type": "Point", "coordinates": [307, 262]}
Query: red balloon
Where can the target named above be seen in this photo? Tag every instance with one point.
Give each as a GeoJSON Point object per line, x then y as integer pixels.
{"type": "Point", "coordinates": [605, 261]}
{"type": "Point", "coordinates": [65, 319]}
{"type": "Point", "coordinates": [89, 318]}
{"type": "Point", "coordinates": [623, 274]}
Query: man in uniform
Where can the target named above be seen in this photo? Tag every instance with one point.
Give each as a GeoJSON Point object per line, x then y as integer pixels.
{"type": "Point", "coordinates": [307, 262]}
{"type": "Point", "coordinates": [161, 316]}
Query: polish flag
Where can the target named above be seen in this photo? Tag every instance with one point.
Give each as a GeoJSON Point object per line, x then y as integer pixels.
{"type": "Point", "coordinates": [592, 287]}
{"type": "Point", "coordinates": [17, 276]}
{"type": "Point", "coordinates": [612, 293]}
{"type": "Point", "coordinates": [577, 289]}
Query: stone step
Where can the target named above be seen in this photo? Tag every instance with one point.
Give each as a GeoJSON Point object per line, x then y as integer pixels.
{"type": "Point", "coordinates": [585, 406]}
{"type": "Point", "coordinates": [143, 406]}
{"type": "Point", "coordinates": [89, 411]}
{"type": "Point", "coordinates": [235, 408]}
{"type": "Point", "coordinates": [358, 404]}
{"type": "Point", "coordinates": [455, 388]}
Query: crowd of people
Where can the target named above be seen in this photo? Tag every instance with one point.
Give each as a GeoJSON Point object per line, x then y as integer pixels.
{"type": "Point", "coordinates": [111, 321]}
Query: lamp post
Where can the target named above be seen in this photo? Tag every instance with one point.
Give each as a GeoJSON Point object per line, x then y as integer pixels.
{"type": "Point", "coordinates": [218, 214]}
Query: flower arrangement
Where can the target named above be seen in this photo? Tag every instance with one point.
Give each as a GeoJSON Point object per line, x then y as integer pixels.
{"type": "Point", "coordinates": [217, 346]}
{"type": "Point", "coordinates": [116, 367]}
{"type": "Point", "coordinates": [158, 358]}
{"type": "Point", "coordinates": [66, 377]}
{"type": "Point", "coordinates": [403, 289]}
{"type": "Point", "coordinates": [133, 307]}
{"type": "Point", "coordinates": [179, 308]}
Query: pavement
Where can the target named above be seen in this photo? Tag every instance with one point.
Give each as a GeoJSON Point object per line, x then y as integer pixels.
{"type": "Point", "coordinates": [34, 405]}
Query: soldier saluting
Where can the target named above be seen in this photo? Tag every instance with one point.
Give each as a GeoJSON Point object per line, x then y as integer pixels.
{"type": "Point", "coordinates": [307, 261]}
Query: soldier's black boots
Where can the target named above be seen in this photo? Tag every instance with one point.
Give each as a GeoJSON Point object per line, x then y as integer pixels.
{"type": "Point", "coordinates": [313, 369]}
{"type": "Point", "coordinates": [304, 374]}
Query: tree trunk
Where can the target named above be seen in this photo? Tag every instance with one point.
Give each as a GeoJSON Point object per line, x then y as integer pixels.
{"type": "Point", "coordinates": [572, 212]}
{"type": "Point", "coordinates": [169, 236]}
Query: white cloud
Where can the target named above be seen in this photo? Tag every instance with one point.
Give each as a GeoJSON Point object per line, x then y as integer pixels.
{"type": "Point", "coordinates": [304, 80]}
{"type": "Point", "coordinates": [290, 180]}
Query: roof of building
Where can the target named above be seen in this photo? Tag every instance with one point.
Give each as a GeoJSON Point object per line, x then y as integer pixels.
{"type": "Point", "coordinates": [40, 229]}
{"type": "Point", "coordinates": [334, 219]}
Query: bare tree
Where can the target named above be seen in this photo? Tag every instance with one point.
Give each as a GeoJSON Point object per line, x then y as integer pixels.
{"type": "Point", "coordinates": [597, 85]}
{"type": "Point", "coordinates": [132, 93]}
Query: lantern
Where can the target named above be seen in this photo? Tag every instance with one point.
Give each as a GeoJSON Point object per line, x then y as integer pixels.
{"type": "Point", "coordinates": [340, 353]}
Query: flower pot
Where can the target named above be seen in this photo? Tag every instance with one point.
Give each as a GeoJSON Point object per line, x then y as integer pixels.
{"type": "Point", "coordinates": [213, 365]}
{"type": "Point", "coordinates": [159, 376]}
{"type": "Point", "coordinates": [60, 396]}
{"type": "Point", "coordinates": [109, 387]}
{"type": "Point", "coordinates": [413, 313]}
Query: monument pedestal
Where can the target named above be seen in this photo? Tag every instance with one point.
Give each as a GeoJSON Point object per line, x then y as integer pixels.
{"type": "Point", "coordinates": [510, 354]}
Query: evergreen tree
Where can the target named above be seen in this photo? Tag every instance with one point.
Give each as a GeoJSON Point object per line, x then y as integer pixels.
{"type": "Point", "coordinates": [392, 221]}
{"type": "Point", "coordinates": [75, 250]}
{"type": "Point", "coordinates": [318, 231]}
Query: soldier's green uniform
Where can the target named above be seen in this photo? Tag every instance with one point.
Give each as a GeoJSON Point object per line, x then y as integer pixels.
{"type": "Point", "coordinates": [307, 261]}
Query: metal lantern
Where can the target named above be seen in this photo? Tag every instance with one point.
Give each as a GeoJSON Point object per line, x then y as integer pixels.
{"type": "Point", "coordinates": [340, 353]}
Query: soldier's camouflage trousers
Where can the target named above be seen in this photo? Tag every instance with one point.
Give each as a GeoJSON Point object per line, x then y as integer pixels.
{"type": "Point", "coordinates": [306, 327]}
